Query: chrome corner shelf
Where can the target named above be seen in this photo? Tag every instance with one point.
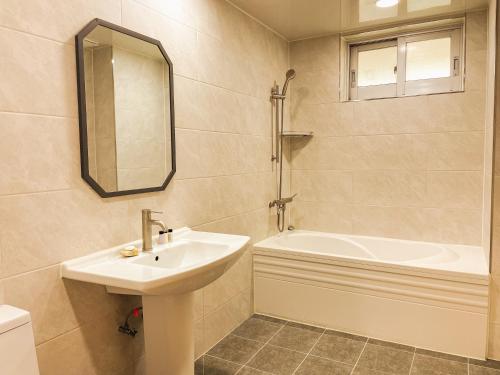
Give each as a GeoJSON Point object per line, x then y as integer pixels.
{"type": "Point", "coordinates": [296, 134]}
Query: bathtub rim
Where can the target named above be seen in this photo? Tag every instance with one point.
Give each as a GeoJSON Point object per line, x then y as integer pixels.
{"type": "Point", "coordinates": [267, 247]}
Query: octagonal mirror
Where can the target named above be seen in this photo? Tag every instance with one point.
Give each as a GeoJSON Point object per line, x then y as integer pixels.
{"type": "Point", "coordinates": [126, 110]}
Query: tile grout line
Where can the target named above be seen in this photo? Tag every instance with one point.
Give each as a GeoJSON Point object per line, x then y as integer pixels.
{"type": "Point", "coordinates": [228, 361]}
{"type": "Point", "coordinates": [359, 357]}
{"type": "Point", "coordinates": [293, 350]}
{"type": "Point", "coordinates": [310, 350]}
{"type": "Point", "coordinates": [262, 347]}
{"type": "Point", "coordinates": [413, 359]}
{"type": "Point", "coordinates": [308, 354]}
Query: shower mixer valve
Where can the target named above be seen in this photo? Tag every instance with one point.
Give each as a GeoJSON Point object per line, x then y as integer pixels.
{"type": "Point", "coordinates": [281, 202]}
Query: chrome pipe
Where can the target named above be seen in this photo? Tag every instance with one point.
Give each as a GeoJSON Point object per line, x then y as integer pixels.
{"type": "Point", "coordinates": [277, 98]}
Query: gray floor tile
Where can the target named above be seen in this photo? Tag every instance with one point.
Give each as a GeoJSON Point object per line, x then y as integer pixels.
{"type": "Point", "coordinates": [427, 365]}
{"type": "Point", "coordinates": [366, 371]}
{"type": "Point", "coordinates": [479, 370]}
{"type": "Point", "coordinates": [198, 366]}
{"type": "Point", "coordinates": [395, 345]}
{"type": "Point", "coordinates": [339, 347]}
{"type": "Point", "coordinates": [251, 371]}
{"type": "Point", "coordinates": [277, 360]}
{"type": "Point", "coordinates": [259, 328]}
{"type": "Point", "coordinates": [386, 357]}
{"type": "Point", "coordinates": [487, 363]}
{"type": "Point", "coordinates": [320, 366]}
{"type": "Point", "coordinates": [235, 349]}
{"type": "Point", "coordinates": [216, 366]}
{"type": "Point", "coordinates": [449, 357]}
{"type": "Point", "coordinates": [269, 319]}
{"type": "Point", "coordinates": [297, 337]}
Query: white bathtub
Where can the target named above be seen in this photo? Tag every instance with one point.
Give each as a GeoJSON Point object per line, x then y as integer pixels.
{"type": "Point", "coordinates": [429, 295]}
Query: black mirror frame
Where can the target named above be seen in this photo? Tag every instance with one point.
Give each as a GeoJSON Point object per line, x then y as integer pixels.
{"type": "Point", "coordinates": [82, 110]}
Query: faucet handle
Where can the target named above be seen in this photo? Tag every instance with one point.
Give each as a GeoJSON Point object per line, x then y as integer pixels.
{"type": "Point", "coordinates": [146, 212]}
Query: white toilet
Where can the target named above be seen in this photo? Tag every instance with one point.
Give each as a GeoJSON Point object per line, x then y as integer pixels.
{"type": "Point", "coordinates": [17, 344]}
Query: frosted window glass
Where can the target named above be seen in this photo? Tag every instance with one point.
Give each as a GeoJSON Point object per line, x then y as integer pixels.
{"type": "Point", "coordinates": [428, 59]}
{"type": "Point", "coordinates": [376, 67]}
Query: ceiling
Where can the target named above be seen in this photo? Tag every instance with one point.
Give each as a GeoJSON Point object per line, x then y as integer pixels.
{"type": "Point", "coordinates": [300, 19]}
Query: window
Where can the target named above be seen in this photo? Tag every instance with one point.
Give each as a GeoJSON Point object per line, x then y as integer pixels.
{"type": "Point", "coordinates": [424, 63]}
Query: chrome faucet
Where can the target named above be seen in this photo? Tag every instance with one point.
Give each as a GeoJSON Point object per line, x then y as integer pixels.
{"type": "Point", "coordinates": [282, 201]}
{"type": "Point", "coordinates": [147, 228]}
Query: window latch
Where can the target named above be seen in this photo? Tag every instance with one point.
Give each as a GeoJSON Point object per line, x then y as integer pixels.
{"type": "Point", "coordinates": [456, 65]}
{"type": "Point", "coordinates": [353, 78]}
{"type": "Point", "coordinates": [395, 69]}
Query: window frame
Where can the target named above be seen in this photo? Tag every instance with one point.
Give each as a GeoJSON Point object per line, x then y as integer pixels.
{"type": "Point", "coordinates": [388, 90]}
{"type": "Point", "coordinates": [402, 88]}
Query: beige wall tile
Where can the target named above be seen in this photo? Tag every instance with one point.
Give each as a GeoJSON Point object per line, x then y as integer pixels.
{"type": "Point", "coordinates": [328, 119]}
{"type": "Point", "coordinates": [475, 76]}
{"type": "Point", "coordinates": [60, 21]}
{"type": "Point", "coordinates": [205, 107]}
{"type": "Point", "coordinates": [389, 188]}
{"type": "Point", "coordinates": [396, 222]}
{"type": "Point", "coordinates": [323, 153]}
{"type": "Point", "coordinates": [185, 11]}
{"type": "Point", "coordinates": [315, 87]}
{"type": "Point", "coordinates": [62, 225]}
{"type": "Point", "coordinates": [258, 224]}
{"type": "Point", "coordinates": [316, 54]}
{"type": "Point", "coordinates": [393, 152]}
{"type": "Point", "coordinates": [2, 294]}
{"type": "Point", "coordinates": [322, 185]}
{"type": "Point", "coordinates": [494, 299]}
{"type": "Point", "coordinates": [456, 112]}
{"type": "Point", "coordinates": [457, 225]}
{"type": "Point", "coordinates": [455, 151]}
{"type": "Point", "coordinates": [476, 31]}
{"type": "Point", "coordinates": [34, 72]}
{"type": "Point", "coordinates": [222, 321]}
{"type": "Point", "coordinates": [178, 40]}
{"type": "Point", "coordinates": [54, 165]}
{"type": "Point", "coordinates": [198, 304]}
{"type": "Point", "coordinates": [199, 338]}
{"type": "Point", "coordinates": [391, 116]}
{"type": "Point", "coordinates": [450, 189]}
{"type": "Point", "coordinates": [495, 247]}
{"type": "Point", "coordinates": [85, 352]}
{"type": "Point", "coordinates": [196, 156]}
{"type": "Point", "coordinates": [421, 224]}
{"type": "Point", "coordinates": [235, 281]}
{"type": "Point", "coordinates": [58, 306]}
{"type": "Point", "coordinates": [322, 216]}
{"type": "Point", "coordinates": [494, 341]}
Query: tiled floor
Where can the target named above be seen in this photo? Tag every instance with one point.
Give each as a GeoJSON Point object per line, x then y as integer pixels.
{"type": "Point", "coordinates": [267, 346]}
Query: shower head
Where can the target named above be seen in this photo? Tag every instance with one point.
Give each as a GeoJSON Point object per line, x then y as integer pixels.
{"type": "Point", "coordinates": [290, 74]}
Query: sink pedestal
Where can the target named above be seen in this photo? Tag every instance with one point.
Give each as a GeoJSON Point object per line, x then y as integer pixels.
{"type": "Point", "coordinates": [168, 332]}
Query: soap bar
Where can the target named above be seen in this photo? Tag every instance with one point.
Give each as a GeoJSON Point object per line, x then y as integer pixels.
{"type": "Point", "coordinates": [129, 251]}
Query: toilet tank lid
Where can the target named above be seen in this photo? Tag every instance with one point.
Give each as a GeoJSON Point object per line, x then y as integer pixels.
{"type": "Point", "coordinates": [11, 317]}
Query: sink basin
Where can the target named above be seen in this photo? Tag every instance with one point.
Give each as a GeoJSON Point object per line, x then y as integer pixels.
{"type": "Point", "coordinates": [166, 278]}
{"type": "Point", "coordinates": [193, 260]}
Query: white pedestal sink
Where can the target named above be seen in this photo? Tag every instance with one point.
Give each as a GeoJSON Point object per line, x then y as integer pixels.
{"type": "Point", "coordinates": [166, 277]}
